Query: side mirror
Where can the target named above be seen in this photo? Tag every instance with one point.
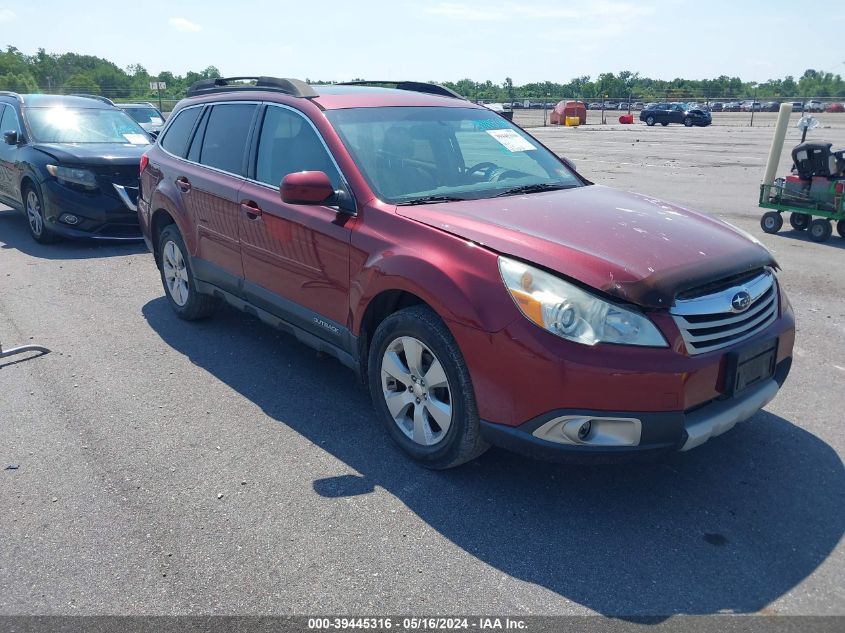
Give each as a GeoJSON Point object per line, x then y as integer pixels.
{"type": "Point", "coordinates": [313, 187]}
{"type": "Point", "coordinates": [10, 137]}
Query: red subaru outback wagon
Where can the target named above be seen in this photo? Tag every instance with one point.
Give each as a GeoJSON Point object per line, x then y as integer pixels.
{"type": "Point", "coordinates": [485, 291]}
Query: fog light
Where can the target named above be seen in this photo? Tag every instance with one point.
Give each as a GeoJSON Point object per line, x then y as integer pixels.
{"type": "Point", "coordinates": [68, 218]}
{"type": "Point", "coordinates": [584, 430]}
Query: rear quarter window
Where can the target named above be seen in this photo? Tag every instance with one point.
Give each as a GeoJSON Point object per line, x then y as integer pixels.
{"type": "Point", "coordinates": [176, 138]}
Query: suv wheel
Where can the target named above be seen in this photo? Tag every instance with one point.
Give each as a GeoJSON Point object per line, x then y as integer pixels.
{"type": "Point", "coordinates": [688, 122]}
{"type": "Point", "coordinates": [421, 388]}
{"type": "Point", "coordinates": [35, 217]}
{"type": "Point", "coordinates": [178, 278]}
{"type": "Point", "coordinates": [649, 121]}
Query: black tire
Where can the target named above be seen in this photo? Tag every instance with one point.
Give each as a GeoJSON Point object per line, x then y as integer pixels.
{"type": "Point", "coordinates": [649, 121]}
{"type": "Point", "coordinates": [196, 305]}
{"type": "Point", "coordinates": [799, 221]}
{"type": "Point", "coordinates": [820, 230]}
{"type": "Point", "coordinates": [664, 123]}
{"type": "Point", "coordinates": [840, 228]}
{"type": "Point", "coordinates": [771, 222]}
{"type": "Point", "coordinates": [31, 196]}
{"type": "Point", "coordinates": [462, 441]}
{"type": "Point", "coordinates": [688, 122]}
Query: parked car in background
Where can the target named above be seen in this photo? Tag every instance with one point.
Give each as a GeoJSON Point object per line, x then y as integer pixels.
{"type": "Point", "coordinates": [717, 106]}
{"type": "Point", "coordinates": [797, 106]}
{"type": "Point", "coordinates": [751, 106]}
{"type": "Point", "coordinates": [146, 115]}
{"type": "Point", "coordinates": [70, 164]}
{"type": "Point", "coordinates": [637, 105]}
{"type": "Point", "coordinates": [484, 291]}
{"type": "Point", "coordinates": [594, 106]}
{"type": "Point", "coordinates": [814, 106]}
{"type": "Point", "coordinates": [771, 106]}
{"type": "Point", "coordinates": [835, 107]}
{"type": "Point", "coordinates": [622, 106]}
{"type": "Point", "coordinates": [666, 113]}
{"type": "Point", "coordinates": [731, 106]}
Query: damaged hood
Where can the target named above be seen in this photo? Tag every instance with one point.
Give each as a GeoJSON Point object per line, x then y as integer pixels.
{"type": "Point", "coordinates": [634, 247]}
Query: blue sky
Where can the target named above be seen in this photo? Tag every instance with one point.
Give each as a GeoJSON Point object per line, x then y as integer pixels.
{"type": "Point", "coordinates": [533, 40]}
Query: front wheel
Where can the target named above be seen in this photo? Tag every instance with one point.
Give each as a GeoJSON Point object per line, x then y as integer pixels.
{"type": "Point", "coordinates": [664, 123]}
{"type": "Point", "coordinates": [820, 230]}
{"type": "Point", "coordinates": [178, 278]}
{"type": "Point", "coordinates": [34, 210]}
{"type": "Point", "coordinates": [840, 228]}
{"type": "Point", "coordinates": [421, 388]}
{"type": "Point", "coordinates": [771, 222]}
{"type": "Point", "coordinates": [649, 121]}
{"type": "Point", "coordinates": [688, 122]}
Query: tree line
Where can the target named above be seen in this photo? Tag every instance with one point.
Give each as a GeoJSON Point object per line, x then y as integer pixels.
{"type": "Point", "coordinates": [74, 73]}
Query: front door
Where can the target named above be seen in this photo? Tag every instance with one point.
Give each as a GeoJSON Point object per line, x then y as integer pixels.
{"type": "Point", "coordinates": [295, 257]}
{"type": "Point", "coordinates": [9, 169]}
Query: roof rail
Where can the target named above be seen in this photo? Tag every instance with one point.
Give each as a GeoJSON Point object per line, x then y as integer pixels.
{"type": "Point", "coordinates": [97, 97]}
{"type": "Point", "coordinates": [9, 93]}
{"type": "Point", "coordinates": [293, 87]}
{"type": "Point", "coordinates": [413, 86]}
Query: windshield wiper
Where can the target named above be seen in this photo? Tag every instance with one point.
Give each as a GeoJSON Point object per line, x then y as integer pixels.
{"type": "Point", "coordinates": [429, 199]}
{"type": "Point", "coordinates": [541, 186]}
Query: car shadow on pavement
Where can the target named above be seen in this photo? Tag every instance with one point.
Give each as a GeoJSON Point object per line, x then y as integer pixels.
{"type": "Point", "coordinates": [726, 528]}
{"type": "Point", "coordinates": [801, 236]}
{"type": "Point", "coordinates": [15, 235]}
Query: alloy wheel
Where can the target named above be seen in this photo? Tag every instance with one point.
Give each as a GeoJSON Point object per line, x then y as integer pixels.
{"type": "Point", "coordinates": [33, 213]}
{"type": "Point", "coordinates": [175, 273]}
{"type": "Point", "coordinates": [416, 390]}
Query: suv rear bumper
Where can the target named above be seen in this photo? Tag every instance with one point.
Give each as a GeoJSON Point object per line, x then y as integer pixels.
{"type": "Point", "coordinates": [545, 437]}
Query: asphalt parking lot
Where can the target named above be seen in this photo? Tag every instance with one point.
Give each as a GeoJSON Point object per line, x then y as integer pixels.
{"type": "Point", "coordinates": [127, 434]}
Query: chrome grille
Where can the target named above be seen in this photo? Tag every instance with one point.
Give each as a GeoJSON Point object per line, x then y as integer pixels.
{"type": "Point", "coordinates": [710, 322]}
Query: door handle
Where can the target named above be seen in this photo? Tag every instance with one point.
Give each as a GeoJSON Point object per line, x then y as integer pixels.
{"type": "Point", "coordinates": [252, 210]}
{"type": "Point", "coordinates": [184, 184]}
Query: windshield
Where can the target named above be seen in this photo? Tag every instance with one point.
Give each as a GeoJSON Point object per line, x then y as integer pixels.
{"type": "Point", "coordinates": [83, 125]}
{"type": "Point", "coordinates": [412, 154]}
{"type": "Point", "coordinates": [145, 115]}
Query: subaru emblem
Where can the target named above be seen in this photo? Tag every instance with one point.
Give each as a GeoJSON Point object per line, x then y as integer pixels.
{"type": "Point", "coordinates": [740, 301]}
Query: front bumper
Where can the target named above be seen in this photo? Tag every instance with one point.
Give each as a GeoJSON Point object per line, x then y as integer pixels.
{"type": "Point", "coordinates": [545, 437]}
{"type": "Point", "coordinates": [102, 215]}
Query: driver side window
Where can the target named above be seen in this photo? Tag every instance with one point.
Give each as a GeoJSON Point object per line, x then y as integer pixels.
{"type": "Point", "coordinates": [289, 144]}
{"type": "Point", "coordinates": [9, 121]}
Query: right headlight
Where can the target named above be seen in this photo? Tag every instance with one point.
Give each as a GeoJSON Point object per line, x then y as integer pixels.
{"type": "Point", "coordinates": [571, 313]}
{"type": "Point", "coordinates": [73, 175]}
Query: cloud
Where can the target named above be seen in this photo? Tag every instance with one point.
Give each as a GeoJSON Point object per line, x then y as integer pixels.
{"type": "Point", "coordinates": [184, 25]}
{"type": "Point", "coordinates": [7, 15]}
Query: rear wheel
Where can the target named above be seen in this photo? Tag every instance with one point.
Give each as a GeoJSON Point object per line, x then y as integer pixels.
{"type": "Point", "coordinates": [178, 278]}
{"type": "Point", "coordinates": [664, 123]}
{"type": "Point", "coordinates": [771, 222]}
{"type": "Point", "coordinates": [421, 387]}
{"type": "Point", "coordinates": [34, 210]}
{"type": "Point", "coordinates": [688, 122]}
{"type": "Point", "coordinates": [820, 230]}
{"type": "Point", "coordinates": [840, 228]}
{"type": "Point", "coordinates": [799, 221]}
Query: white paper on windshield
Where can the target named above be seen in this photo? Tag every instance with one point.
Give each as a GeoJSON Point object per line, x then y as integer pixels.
{"type": "Point", "coordinates": [511, 140]}
{"type": "Point", "coordinates": [156, 120]}
{"type": "Point", "coordinates": [137, 139]}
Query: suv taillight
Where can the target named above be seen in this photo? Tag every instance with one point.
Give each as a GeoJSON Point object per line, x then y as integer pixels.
{"type": "Point", "coordinates": [144, 162]}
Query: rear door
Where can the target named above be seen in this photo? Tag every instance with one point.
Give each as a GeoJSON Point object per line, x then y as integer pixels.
{"type": "Point", "coordinates": [210, 181]}
{"type": "Point", "coordinates": [295, 257]}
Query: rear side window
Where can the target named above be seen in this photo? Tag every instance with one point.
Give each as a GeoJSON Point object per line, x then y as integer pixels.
{"type": "Point", "coordinates": [289, 144]}
{"type": "Point", "coordinates": [226, 136]}
{"type": "Point", "coordinates": [175, 140]}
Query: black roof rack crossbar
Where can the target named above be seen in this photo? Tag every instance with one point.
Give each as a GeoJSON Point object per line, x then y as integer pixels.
{"type": "Point", "coordinates": [413, 86]}
{"type": "Point", "coordinates": [293, 87]}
